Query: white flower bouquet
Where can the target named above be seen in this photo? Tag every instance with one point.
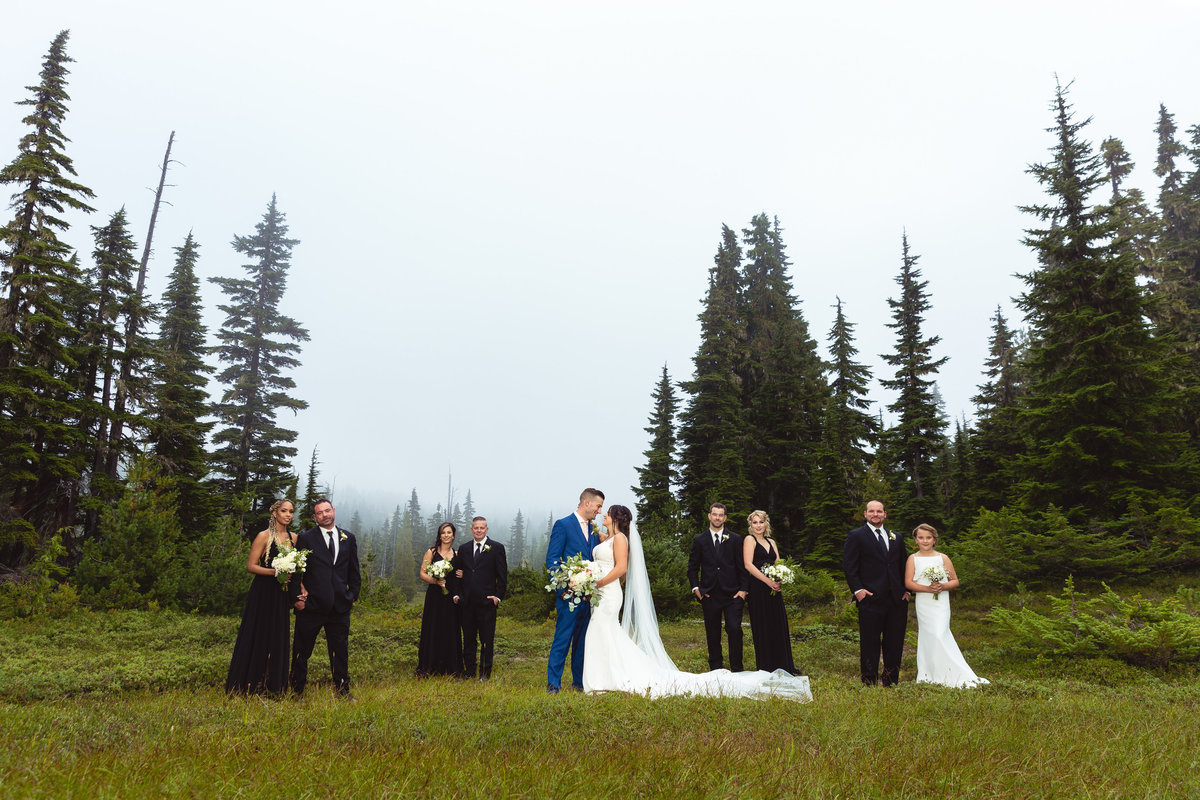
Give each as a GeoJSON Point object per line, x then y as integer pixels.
{"type": "Point", "coordinates": [781, 571]}
{"type": "Point", "coordinates": [288, 562]}
{"type": "Point", "coordinates": [935, 573]}
{"type": "Point", "coordinates": [439, 571]}
{"type": "Point", "coordinates": [575, 578]}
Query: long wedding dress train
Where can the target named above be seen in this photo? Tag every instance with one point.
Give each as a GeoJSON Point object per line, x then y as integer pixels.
{"type": "Point", "coordinates": [628, 655]}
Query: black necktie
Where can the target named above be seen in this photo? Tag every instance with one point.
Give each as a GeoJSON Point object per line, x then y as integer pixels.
{"type": "Point", "coordinates": [331, 552]}
{"type": "Point", "coordinates": [478, 549]}
{"type": "Point", "coordinates": [882, 542]}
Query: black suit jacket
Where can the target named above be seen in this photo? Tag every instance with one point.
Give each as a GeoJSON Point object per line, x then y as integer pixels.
{"type": "Point", "coordinates": [484, 576]}
{"type": "Point", "coordinates": [867, 568]}
{"type": "Point", "coordinates": [718, 570]}
{"type": "Point", "coordinates": [332, 587]}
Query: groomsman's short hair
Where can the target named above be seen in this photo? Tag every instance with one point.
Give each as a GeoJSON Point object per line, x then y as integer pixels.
{"type": "Point", "coordinates": [321, 501]}
{"type": "Point", "coordinates": [590, 492]}
{"type": "Point", "coordinates": [717, 505]}
{"type": "Point", "coordinates": [478, 519]}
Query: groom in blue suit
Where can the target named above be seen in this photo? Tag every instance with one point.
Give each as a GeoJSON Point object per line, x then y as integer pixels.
{"type": "Point", "coordinates": [571, 535]}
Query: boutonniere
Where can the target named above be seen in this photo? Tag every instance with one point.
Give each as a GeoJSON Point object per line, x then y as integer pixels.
{"type": "Point", "coordinates": [486, 548]}
{"type": "Point", "coordinates": [891, 536]}
{"type": "Point", "coordinates": [723, 537]}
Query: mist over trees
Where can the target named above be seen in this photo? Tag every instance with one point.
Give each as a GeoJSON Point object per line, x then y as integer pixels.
{"type": "Point", "coordinates": [136, 455]}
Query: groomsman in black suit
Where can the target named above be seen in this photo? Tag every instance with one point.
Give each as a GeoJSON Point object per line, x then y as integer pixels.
{"type": "Point", "coordinates": [331, 583]}
{"type": "Point", "coordinates": [483, 567]}
{"type": "Point", "coordinates": [717, 572]}
{"type": "Point", "coordinates": [873, 560]}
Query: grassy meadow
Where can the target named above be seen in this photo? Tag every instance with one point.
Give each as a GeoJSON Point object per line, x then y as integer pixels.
{"type": "Point", "coordinates": [131, 705]}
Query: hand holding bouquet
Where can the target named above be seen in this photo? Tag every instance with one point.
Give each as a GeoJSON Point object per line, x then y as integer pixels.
{"type": "Point", "coordinates": [288, 562]}
{"type": "Point", "coordinates": [575, 580]}
{"type": "Point", "coordinates": [782, 572]}
{"type": "Point", "coordinates": [935, 573]}
{"type": "Point", "coordinates": [439, 571]}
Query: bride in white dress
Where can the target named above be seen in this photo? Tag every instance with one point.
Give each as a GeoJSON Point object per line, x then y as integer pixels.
{"type": "Point", "coordinates": [938, 658]}
{"type": "Point", "coordinates": [627, 654]}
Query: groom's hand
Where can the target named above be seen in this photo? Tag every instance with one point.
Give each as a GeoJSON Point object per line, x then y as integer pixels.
{"type": "Point", "coordinates": [741, 595]}
{"type": "Point", "coordinates": [861, 594]}
{"type": "Point", "coordinates": [495, 600]}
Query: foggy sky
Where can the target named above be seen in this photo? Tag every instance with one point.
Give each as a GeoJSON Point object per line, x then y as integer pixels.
{"type": "Point", "coordinates": [507, 211]}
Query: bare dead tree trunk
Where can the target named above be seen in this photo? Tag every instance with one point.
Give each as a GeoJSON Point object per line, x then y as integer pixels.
{"type": "Point", "coordinates": [132, 324]}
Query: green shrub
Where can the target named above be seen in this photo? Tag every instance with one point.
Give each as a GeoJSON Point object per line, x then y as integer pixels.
{"type": "Point", "coordinates": [38, 591]}
{"type": "Point", "coordinates": [1136, 631]}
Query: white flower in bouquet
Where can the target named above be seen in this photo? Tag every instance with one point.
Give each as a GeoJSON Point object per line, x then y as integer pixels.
{"type": "Point", "coordinates": [935, 573]}
{"type": "Point", "coordinates": [575, 579]}
{"type": "Point", "coordinates": [288, 562]}
{"type": "Point", "coordinates": [781, 572]}
{"type": "Point", "coordinates": [439, 571]}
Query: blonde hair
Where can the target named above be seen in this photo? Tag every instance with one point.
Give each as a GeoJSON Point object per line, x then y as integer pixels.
{"type": "Point", "coordinates": [765, 518]}
{"type": "Point", "coordinates": [925, 526]}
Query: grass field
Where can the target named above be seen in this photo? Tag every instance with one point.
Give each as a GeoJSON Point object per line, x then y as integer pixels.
{"type": "Point", "coordinates": [131, 705]}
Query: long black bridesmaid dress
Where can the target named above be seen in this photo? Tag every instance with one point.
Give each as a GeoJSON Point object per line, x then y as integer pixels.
{"type": "Point", "coordinates": [261, 653]}
{"type": "Point", "coordinates": [440, 650]}
{"type": "Point", "coordinates": [768, 619]}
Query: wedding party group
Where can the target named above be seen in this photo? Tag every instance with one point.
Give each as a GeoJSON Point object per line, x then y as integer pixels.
{"type": "Point", "coordinates": [608, 631]}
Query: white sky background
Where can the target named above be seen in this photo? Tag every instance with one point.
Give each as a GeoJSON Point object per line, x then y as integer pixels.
{"type": "Point", "coordinates": [507, 210]}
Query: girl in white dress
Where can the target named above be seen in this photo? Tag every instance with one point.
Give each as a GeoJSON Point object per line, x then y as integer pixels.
{"type": "Point", "coordinates": [626, 654]}
{"type": "Point", "coordinates": [938, 658]}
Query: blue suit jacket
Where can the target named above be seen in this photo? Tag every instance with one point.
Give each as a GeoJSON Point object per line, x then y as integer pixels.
{"type": "Point", "coordinates": [566, 540]}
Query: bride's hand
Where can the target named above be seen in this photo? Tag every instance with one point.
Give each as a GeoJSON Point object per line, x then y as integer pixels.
{"type": "Point", "coordinates": [775, 585]}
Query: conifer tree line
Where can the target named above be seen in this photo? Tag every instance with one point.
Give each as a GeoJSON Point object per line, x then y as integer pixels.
{"type": "Point", "coordinates": [110, 444]}
{"type": "Point", "coordinates": [1083, 443]}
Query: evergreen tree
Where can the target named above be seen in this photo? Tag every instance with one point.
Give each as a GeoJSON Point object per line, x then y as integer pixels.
{"type": "Point", "coordinates": [783, 387]}
{"type": "Point", "coordinates": [39, 444]}
{"type": "Point", "coordinates": [516, 542]}
{"type": "Point", "coordinates": [177, 427]}
{"type": "Point", "coordinates": [103, 348]}
{"type": "Point", "coordinates": [1099, 412]}
{"type": "Point", "coordinates": [468, 513]}
{"type": "Point", "coordinates": [313, 493]}
{"type": "Point", "coordinates": [259, 344]}
{"type": "Point", "coordinates": [910, 448]}
{"type": "Point", "coordinates": [997, 442]}
{"type": "Point", "coordinates": [657, 507]}
{"type": "Point", "coordinates": [848, 434]}
{"type": "Point", "coordinates": [712, 428]}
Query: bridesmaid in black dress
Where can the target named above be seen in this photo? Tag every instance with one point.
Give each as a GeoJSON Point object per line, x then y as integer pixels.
{"type": "Point", "coordinates": [261, 653]}
{"type": "Point", "coordinates": [440, 651]}
{"type": "Point", "coordinates": [768, 617]}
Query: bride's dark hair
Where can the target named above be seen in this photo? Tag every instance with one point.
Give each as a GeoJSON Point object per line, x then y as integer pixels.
{"type": "Point", "coordinates": [621, 517]}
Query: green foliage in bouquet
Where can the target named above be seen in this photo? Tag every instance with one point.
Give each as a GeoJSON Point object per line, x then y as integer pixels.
{"type": "Point", "coordinates": [1134, 630]}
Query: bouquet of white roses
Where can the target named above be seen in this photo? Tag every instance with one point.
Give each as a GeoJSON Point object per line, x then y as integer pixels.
{"type": "Point", "coordinates": [575, 578]}
{"type": "Point", "coordinates": [935, 573]}
{"type": "Point", "coordinates": [289, 561]}
{"type": "Point", "coordinates": [439, 571]}
{"type": "Point", "coordinates": [782, 571]}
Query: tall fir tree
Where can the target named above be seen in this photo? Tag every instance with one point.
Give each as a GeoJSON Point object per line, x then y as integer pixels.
{"type": "Point", "coordinates": [783, 386]}
{"type": "Point", "coordinates": [103, 348]}
{"type": "Point", "coordinates": [909, 449]}
{"type": "Point", "coordinates": [39, 443]}
{"type": "Point", "coordinates": [657, 506]}
{"type": "Point", "coordinates": [712, 429]}
{"type": "Point", "coordinates": [1100, 410]}
{"type": "Point", "coordinates": [259, 344]}
{"type": "Point", "coordinates": [178, 428]}
{"type": "Point", "coordinates": [518, 555]}
{"type": "Point", "coordinates": [996, 443]}
{"type": "Point", "coordinates": [849, 434]}
{"type": "Point", "coordinates": [314, 491]}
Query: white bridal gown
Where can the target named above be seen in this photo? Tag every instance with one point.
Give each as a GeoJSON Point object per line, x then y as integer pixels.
{"type": "Point", "coordinates": [613, 662]}
{"type": "Point", "coordinates": [938, 658]}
